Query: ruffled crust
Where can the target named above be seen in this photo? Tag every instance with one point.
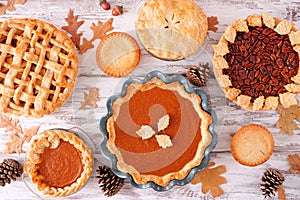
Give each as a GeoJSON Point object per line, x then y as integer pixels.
{"type": "Point", "coordinates": [206, 120]}
{"type": "Point", "coordinates": [52, 138]}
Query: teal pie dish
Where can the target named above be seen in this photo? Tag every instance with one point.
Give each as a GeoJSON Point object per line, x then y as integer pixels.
{"type": "Point", "coordinates": [166, 79]}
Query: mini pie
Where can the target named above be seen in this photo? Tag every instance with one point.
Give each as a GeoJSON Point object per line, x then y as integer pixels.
{"type": "Point", "coordinates": [256, 62]}
{"type": "Point", "coordinates": [144, 159]}
{"type": "Point", "coordinates": [252, 145]}
{"type": "Point", "coordinates": [171, 29]}
{"type": "Point", "coordinates": [118, 54]}
{"type": "Point", "coordinates": [58, 163]}
{"type": "Point", "coordinates": [38, 67]}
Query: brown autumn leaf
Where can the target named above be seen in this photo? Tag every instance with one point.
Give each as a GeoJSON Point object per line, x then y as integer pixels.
{"type": "Point", "coordinates": [10, 125]}
{"type": "Point", "coordinates": [72, 28]}
{"type": "Point", "coordinates": [99, 32]}
{"type": "Point", "coordinates": [281, 193]}
{"type": "Point", "coordinates": [212, 22]}
{"type": "Point", "coordinates": [10, 5]}
{"type": "Point", "coordinates": [17, 135]}
{"type": "Point", "coordinates": [30, 132]}
{"type": "Point", "coordinates": [211, 179]}
{"type": "Point", "coordinates": [86, 45]}
{"type": "Point", "coordinates": [294, 161]}
{"type": "Point", "coordinates": [90, 99]}
{"type": "Point", "coordinates": [287, 119]}
{"type": "Point", "coordinates": [15, 146]}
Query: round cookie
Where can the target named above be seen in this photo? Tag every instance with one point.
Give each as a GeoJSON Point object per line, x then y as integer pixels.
{"type": "Point", "coordinates": [171, 29]}
{"type": "Point", "coordinates": [118, 54]}
{"type": "Point", "coordinates": [252, 145]}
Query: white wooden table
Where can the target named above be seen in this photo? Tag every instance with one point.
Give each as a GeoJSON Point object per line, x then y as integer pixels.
{"type": "Point", "coordinates": [243, 182]}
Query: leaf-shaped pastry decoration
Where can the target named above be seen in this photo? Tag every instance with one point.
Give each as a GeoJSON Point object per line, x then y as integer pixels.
{"type": "Point", "coordinates": [145, 132]}
{"type": "Point", "coordinates": [163, 122]}
{"type": "Point", "coordinates": [164, 141]}
{"type": "Point", "coordinates": [211, 179]}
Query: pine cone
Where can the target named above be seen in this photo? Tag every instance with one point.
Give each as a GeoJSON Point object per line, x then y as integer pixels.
{"type": "Point", "coordinates": [9, 170]}
{"type": "Point", "coordinates": [273, 179]}
{"type": "Point", "coordinates": [110, 184]}
{"type": "Point", "coordinates": [198, 76]}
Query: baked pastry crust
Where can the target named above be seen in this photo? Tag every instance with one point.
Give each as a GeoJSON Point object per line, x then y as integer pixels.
{"type": "Point", "coordinates": [282, 27]}
{"type": "Point", "coordinates": [171, 29]}
{"type": "Point", "coordinates": [164, 180]}
{"type": "Point", "coordinates": [52, 138]}
{"type": "Point", "coordinates": [118, 54]}
{"type": "Point", "coordinates": [252, 145]}
{"type": "Point", "coordinates": [38, 67]}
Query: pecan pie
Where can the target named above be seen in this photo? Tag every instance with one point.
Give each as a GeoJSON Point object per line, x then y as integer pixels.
{"type": "Point", "coordinates": [171, 29]}
{"type": "Point", "coordinates": [256, 62]}
{"type": "Point", "coordinates": [58, 163]}
{"type": "Point", "coordinates": [38, 67]}
{"type": "Point", "coordinates": [172, 150]}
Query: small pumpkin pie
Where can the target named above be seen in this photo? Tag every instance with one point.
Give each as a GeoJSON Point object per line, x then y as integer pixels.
{"type": "Point", "coordinates": [256, 62]}
{"type": "Point", "coordinates": [171, 29]}
{"type": "Point", "coordinates": [58, 163]}
{"type": "Point", "coordinates": [158, 131]}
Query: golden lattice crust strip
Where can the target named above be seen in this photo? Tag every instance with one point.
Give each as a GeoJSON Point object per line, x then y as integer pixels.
{"type": "Point", "coordinates": [52, 138]}
{"type": "Point", "coordinates": [281, 27]}
{"type": "Point", "coordinates": [38, 67]}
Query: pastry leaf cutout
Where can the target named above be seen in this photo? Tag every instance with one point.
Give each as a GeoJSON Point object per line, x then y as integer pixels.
{"type": "Point", "coordinates": [10, 5]}
{"type": "Point", "coordinates": [90, 99]}
{"type": "Point", "coordinates": [211, 179]}
{"type": "Point", "coordinates": [99, 31]}
{"type": "Point", "coordinates": [72, 28]}
{"type": "Point", "coordinates": [294, 161]}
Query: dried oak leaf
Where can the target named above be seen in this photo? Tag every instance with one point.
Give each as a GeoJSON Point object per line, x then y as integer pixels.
{"type": "Point", "coordinates": [99, 32]}
{"type": "Point", "coordinates": [10, 125]}
{"type": "Point", "coordinates": [287, 119]}
{"type": "Point", "coordinates": [281, 193]}
{"type": "Point", "coordinates": [90, 99]}
{"type": "Point", "coordinates": [72, 28]}
{"type": "Point", "coordinates": [30, 132]}
{"type": "Point", "coordinates": [211, 179]}
{"type": "Point", "coordinates": [10, 5]}
{"type": "Point", "coordinates": [294, 161]}
{"type": "Point", "coordinates": [15, 146]}
{"type": "Point", "coordinates": [212, 22]}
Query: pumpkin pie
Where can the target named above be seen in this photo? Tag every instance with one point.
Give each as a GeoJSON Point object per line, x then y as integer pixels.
{"type": "Point", "coordinates": [171, 29]}
{"type": "Point", "coordinates": [256, 62]}
{"type": "Point", "coordinates": [38, 67]}
{"type": "Point", "coordinates": [178, 128]}
{"type": "Point", "coordinates": [58, 163]}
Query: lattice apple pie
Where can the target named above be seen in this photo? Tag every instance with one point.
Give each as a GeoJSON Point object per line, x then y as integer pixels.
{"type": "Point", "coordinates": [38, 67]}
